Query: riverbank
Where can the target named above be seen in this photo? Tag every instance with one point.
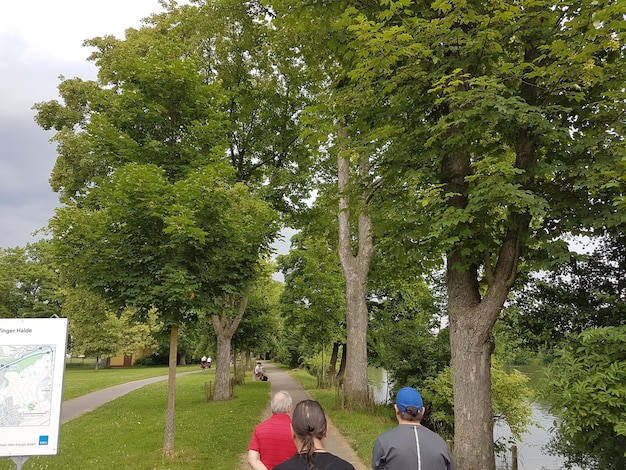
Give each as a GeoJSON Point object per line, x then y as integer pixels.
{"type": "Point", "coordinates": [532, 452]}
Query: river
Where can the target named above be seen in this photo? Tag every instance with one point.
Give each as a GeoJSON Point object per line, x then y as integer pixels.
{"type": "Point", "coordinates": [531, 452]}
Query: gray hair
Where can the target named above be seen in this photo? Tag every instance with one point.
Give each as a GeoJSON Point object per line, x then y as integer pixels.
{"type": "Point", "coordinates": [281, 402]}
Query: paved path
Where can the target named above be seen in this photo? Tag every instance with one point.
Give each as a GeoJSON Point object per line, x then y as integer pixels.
{"type": "Point", "coordinates": [84, 404]}
{"type": "Point", "coordinates": [279, 380]}
{"type": "Point", "coordinates": [334, 443]}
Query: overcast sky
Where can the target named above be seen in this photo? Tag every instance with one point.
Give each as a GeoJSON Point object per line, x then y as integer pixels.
{"type": "Point", "coordinates": [40, 40]}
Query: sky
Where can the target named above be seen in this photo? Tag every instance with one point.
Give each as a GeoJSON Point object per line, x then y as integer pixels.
{"type": "Point", "coordinates": [39, 41]}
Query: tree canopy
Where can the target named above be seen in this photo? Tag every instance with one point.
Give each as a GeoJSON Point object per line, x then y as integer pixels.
{"type": "Point", "coordinates": [29, 282]}
{"type": "Point", "coordinates": [473, 134]}
{"type": "Point", "coordinates": [584, 293]}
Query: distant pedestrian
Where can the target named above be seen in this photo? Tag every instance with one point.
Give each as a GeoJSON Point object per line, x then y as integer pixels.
{"type": "Point", "coordinates": [208, 362]}
{"type": "Point", "coordinates": [203, 362]}
{"type": "Point", "coordinates": [259, 372]}
{"type": "Point", "coordinates": [271, 441]}
{"type": "Point", "coordinates": [410, 446]}
{"type": "Point", "coordinates": [309, 431]}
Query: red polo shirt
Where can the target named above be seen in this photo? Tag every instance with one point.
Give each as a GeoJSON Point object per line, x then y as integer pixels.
{"type": "Point", "coordinates": [272, 439]}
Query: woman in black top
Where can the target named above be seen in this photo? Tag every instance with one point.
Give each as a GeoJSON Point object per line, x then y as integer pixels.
{"type": "Point", "coordinates": [308, 424]}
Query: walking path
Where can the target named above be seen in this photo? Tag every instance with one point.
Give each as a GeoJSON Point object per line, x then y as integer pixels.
{"type": "Point", "coordinates": [84, 404]}
{"type": "Point", "coordinates": [334, 443]}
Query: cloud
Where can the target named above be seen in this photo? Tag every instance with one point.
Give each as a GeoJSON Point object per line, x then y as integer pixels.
{"type": "Point", "coordinates": [26, 199]}
{"type": "Point", "coordinates": [39, 41]}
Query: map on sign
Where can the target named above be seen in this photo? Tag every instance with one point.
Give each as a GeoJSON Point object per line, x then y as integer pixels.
{"type": "Point", "coordinates": [32, 364]}
{"type": "Point", "coordinates": [26, 377]}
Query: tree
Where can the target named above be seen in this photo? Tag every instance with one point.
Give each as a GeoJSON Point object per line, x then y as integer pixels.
{"type": "Point", "coordinates": [346, 160]}
{"type": "Point", "coordinates": [263, 88]}
{"type": "Point", "coordinates": [402, 307]}
{"type": "Point", "coordinates": [586, 389]}
{"type": "Point", "coordinates": [161, 110]}
{"type": "Point", "coordinates": [148, 105]}
{"type": "Point", "coordinates": [178, 248]}
{"type": "Point", "coordinates": [94, 328]}
{"type": "Point", "coordinates": [313, 299]}
{"type": "Point", "coordinates": [355, 258]}
{"type": "Point", "coordinates": [490, 116]}
{"type": "Point", "coordinates": [29, 282]}
{"type": "Point", "coordinates": [261, 327]}
{"type": "Point", "coordinates": [586, 292]}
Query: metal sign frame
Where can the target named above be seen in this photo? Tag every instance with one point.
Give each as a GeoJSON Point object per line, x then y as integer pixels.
{"type": "Point", "coordinates": [32, 366]}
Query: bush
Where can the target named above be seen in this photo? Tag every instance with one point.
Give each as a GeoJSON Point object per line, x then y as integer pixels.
{"type": "Point", "coordinates": [510, 401]}
{"type": "Point", "coordinates": [153, 360]}
{"type": "Point", "coordinates": [586, 388]}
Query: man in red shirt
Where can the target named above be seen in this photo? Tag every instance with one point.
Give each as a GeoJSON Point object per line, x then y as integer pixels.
{"type": "Point", "coordinates": [272, 442]}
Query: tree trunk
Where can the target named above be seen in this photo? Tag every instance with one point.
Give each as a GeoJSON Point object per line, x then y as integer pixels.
{"type": "Point", "coordinates": [225, 326]}
{"type": "Point", "coordinates": [471, 323]}
{"type": "Point", "coordinates": [183, 360]}
{"type": "Point", "coordinates": [355, 270]}
{"type": "Point", "coordinates": [473, 423]}
{"type": "Point", "coordinates": [170, 414]}
{"type": "Point", "coordinates": [472, 319]}
{"type": "Point", "coordinates": [342, 364]}
{"type": "Point", "coordinates": [355, 377]}
{"type": "Point", "coordinates": [248, 360]}
{"type": "Point", "coordinates": [471, 370]}
{"type": "Point", "coordinates": [333, 359]}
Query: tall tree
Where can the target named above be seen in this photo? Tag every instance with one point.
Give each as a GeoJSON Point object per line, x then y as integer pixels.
{"type": "Point", "coordinates": [346, 159]}
{"type": "Point", "coordinates": [262, 94]}
{"type": "Point", "coordinates": [356, 258]}
{"type": "Point", "coordinates": [178, 248]}
{"type": "Point", "coordinates": [197, 85]}
{"type": "Point", "coordinates": [490, 115]}
{"type": "Point", "coordinates": [149, 104]}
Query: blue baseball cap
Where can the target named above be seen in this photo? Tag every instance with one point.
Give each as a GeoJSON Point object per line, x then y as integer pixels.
{"type": "Point", "coordinates": [409, 397]}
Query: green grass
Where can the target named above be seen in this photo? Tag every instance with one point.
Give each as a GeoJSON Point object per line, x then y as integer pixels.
{"type": "Point", "coordinates": [127, 433]}
{"type": "Point", "coordinates": [80, 381]}
{"type": "Point", "coordinates": [361, 427]}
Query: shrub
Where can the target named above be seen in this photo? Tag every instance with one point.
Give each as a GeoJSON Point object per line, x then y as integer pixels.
{"type": "Point", "coordinates": [586, 388]}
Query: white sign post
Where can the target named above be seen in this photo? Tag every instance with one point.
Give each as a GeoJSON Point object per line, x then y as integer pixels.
{"type": "Point", "coordinates": [32, 363]}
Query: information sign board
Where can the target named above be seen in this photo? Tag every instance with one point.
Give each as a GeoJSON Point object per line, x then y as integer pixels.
{"type": "Point", "coordinates": [32, 363]}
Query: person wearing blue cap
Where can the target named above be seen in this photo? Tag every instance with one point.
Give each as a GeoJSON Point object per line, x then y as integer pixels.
{"type": "Point", "coordinates": [410, 446]}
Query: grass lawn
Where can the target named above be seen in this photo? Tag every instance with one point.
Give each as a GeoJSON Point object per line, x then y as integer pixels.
{"type": "Point", "coordinates": [127, 433]}
{"type": "Point", "coordinates": [80, 381]}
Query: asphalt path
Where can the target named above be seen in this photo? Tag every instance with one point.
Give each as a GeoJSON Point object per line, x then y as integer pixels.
{"type": "Point", "coordinates": [76, 407]}
{"type": "Point", "coordinates": [334, 443]}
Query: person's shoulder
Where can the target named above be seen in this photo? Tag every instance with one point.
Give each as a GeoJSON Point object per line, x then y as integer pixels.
{"type": "Point", "coordinates": [433, 433]}
{"type": "Point", "coordinates": [289, 464]}
{"type": "Point", "coordinates": [391, 432]}
{"type": "Point", "coordinates": [281, 417]}
{"type": "Point", "coordinates": [337, 462]}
